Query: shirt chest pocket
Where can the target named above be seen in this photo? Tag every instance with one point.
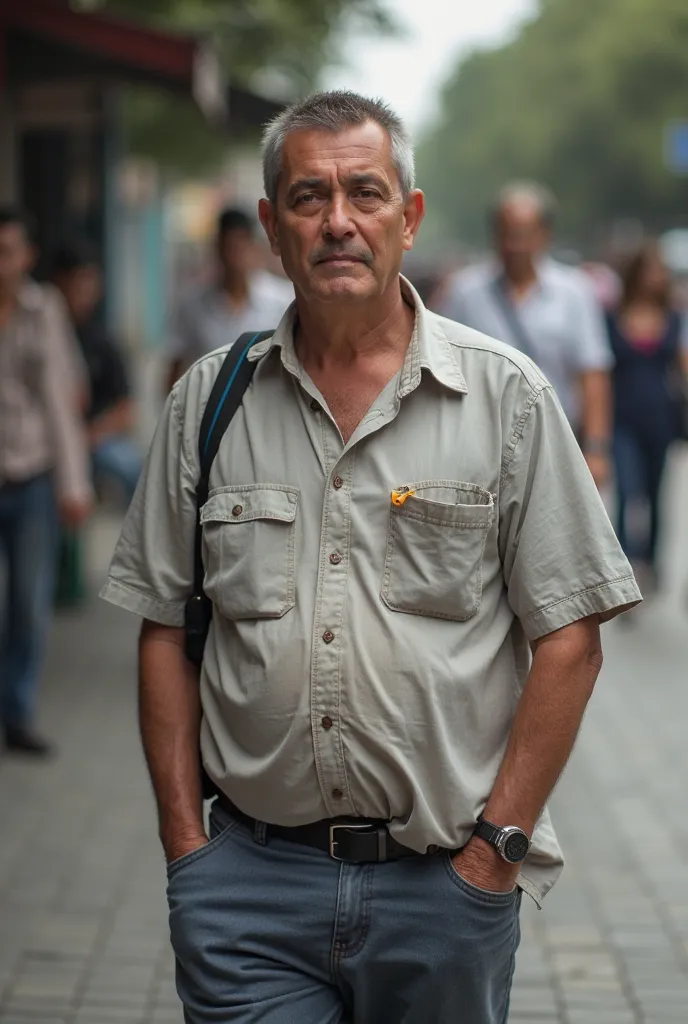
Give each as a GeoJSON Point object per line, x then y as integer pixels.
{"type": "Point", "coordinates": [248, 547]}
{"type": "Point", "coordinates": [435, 546]}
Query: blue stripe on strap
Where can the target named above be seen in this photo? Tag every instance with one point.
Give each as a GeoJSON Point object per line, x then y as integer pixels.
{"type": "Point", "coordinates": [227, 390]}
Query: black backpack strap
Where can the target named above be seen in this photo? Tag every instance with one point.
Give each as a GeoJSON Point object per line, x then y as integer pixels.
{"type": "Point", "coordinates": [225, 398]}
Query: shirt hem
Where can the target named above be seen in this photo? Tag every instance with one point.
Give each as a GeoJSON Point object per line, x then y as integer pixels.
{"type": "Point", "coordinates": [607, 600]}
{"type": "Point", "coordinates": [146, 605]}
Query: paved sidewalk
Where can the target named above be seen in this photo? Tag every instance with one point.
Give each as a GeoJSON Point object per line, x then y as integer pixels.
{"type": "Point", "coordinates": [83, 935]}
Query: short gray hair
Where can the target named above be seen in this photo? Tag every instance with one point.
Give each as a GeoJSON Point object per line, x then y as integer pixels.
{"type": "Point", "coordinates": [540, 196]}
{"type": "Point", "coordinates": [333, 112]}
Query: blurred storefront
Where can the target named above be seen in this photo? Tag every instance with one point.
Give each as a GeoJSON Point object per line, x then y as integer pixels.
{"type": "Point", "coordinates": [61, 151]}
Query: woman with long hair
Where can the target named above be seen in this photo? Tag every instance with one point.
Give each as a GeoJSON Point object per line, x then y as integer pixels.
{"type": "Point", "coordinates": [645, 335]}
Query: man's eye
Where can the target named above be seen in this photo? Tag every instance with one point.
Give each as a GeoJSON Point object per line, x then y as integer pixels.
{"type": "Point", "coordinates": [367, 193]}
{"type": "Point", "coordinates": [307, 198]}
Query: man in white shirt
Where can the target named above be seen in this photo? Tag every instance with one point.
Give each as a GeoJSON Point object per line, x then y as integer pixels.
{"type": "Point", "coordinates": [545, 309]}
{"type": "Point", "coordinates": [242, 298]}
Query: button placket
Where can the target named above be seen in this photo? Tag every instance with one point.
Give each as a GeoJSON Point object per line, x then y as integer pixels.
{"type": "Point", "coordinates": [329, 639]}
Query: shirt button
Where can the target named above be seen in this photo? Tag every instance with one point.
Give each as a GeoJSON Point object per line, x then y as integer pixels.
{"type": "Point", "coordinates": [337, 482]}
{"type": "Point", "coordinates": [335, 558]}
{"type": "Point", "coordinates": [337, 794]}
{"type": "Point", "coordinates": [237, 510]}
{"type": "Point", "coordinates": [328, 636]}
{"type": "Point", "coordinates": [315, 405]}
{"type": "Point", "coordinates": [327, 722]}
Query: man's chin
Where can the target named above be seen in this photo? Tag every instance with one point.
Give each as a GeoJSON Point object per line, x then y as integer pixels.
{"type": "Point", "coordinates": [346, 282]}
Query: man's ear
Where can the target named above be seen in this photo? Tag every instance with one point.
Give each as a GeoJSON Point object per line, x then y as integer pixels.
{"type": "Point", "coordinates": [414, 211]}
{"type": "Point", "coordinates": [268, 218]}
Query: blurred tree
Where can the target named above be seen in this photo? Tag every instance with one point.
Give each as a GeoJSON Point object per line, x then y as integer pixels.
{"type": "Point", "coordinates": [279, 43]}
{"type": "Point", "coordinates": [578, 100]}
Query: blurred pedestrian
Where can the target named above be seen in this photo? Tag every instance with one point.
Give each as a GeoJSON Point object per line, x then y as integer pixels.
{"type": "Point", "coordinates": [109, 412]}
{"type": "Point", "coordinates": [645, 333]}
{"type": "Point", "coordinates": [397, 512]}
{"type": "Point", "coordinates": [242, 297]}
{"type": "Point", "coordinates": [44, 475]}
{"type": "Point", "coordinates": [545, 309]}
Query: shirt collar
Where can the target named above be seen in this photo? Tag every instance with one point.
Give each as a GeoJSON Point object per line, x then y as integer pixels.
{"type": "Point", "coordinates": [30, 296]}
{"type": "Point", "coordinates": [429, 348]}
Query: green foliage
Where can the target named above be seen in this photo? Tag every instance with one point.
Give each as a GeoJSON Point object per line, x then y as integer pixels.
{"type": "Point", "coordinates": [578, 100]}
{"type": "Point", "coordinates": [289, 40]}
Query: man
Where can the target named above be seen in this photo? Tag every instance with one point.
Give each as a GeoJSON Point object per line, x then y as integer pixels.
{"type": "Point", "coordinates": [110, 410]}
{"type": "Point", "coordinates": [547, 310]}
{"type": "Point", "coordinates": [397, 510]}
{"type": "Point", "coordinates": [43, 472]}
{"type": "Point", "coordinates": [243, 297]}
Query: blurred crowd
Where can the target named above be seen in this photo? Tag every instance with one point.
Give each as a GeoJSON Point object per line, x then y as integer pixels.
{"type": "Point", "coordinates": [611, 339]}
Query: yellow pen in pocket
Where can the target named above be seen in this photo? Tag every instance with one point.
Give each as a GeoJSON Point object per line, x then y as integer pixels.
{"type": "Point", "coordinates": [402, 495]}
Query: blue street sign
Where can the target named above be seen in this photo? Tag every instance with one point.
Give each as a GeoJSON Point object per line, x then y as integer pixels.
{"type": "Point", "coordinates": [676, 147]}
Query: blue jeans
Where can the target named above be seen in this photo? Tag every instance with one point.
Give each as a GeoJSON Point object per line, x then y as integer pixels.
{"type": "Point", "coordinates": [278, 933]}
{"type": "Point", "coordinates": [639, 465]}
{"type": "Point", "coordinates": [119, 459]}
{"type": "Point", "coordinates": [28, 547]}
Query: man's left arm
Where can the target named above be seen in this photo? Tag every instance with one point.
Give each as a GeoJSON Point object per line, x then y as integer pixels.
{"type": "Point", "coordinates": [564, 574]}
{"type": "Point", "coordinates": [595, 361]}
{"type": "Point", "coordinates": [565, 666]}
{"type": "Point", "coordinates": [596, 422]}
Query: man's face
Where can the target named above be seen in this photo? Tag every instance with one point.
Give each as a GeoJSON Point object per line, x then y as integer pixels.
{"type": "Point", "coordinates": [82, 289]}
{"type": "Point", "coordinates": [341, 224]}
{"type": "Point", "coordinates": [237, 252]}
{"type": "Point", "coordinates": [521, 234]}
{"type": "Point", "coordinates": [16, 257]}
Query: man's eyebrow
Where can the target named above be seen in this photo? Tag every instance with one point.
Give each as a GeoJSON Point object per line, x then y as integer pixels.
{"type": "Point", "coordinates": [367, 178]}
{"type": "Point", "coordinates": [302, 183]}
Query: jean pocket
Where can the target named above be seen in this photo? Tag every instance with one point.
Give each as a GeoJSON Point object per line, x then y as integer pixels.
{"type": "Point", "coordinates": [249, 547]}
{"type": "Point", "coordinates": [201, 852]}
{"type": "Point", "coordinates": [487, 896]}
{"type": "Point", "coordinates": [435, 546]}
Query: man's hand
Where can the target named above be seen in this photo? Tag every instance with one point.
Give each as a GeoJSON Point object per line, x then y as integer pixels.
{"type": "Point", "coordinates": [74, 512]}
{"type": "Point", "coordinates": [178, 846]}
{"type": "Point", "coordinates": [481, 865]}
{"type": "Point", "coordinates": [598, 465]}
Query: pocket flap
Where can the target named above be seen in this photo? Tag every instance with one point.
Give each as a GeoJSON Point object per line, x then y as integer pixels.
{"type": "Point", "coordinates": [448, 503]}
{"type": "Point", "coordinates": [252, 501]}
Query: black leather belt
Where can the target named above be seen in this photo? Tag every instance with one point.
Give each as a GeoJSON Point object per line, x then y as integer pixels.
{"type": "Point", "coordinates": [354, 840]}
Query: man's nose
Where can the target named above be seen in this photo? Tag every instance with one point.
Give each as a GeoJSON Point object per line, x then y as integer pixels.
{"type": "Point", "coordinates": [338, 223]}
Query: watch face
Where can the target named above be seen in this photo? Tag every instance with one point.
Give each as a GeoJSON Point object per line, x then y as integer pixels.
{"type": "Point", "coordinates": [516, 847]}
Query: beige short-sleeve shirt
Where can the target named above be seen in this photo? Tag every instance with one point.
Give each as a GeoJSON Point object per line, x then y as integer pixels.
{"type": "Point", "coordinates": [369, 643]}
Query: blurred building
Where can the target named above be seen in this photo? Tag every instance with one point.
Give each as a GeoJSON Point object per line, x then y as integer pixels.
{"type": "Point", "coordinates": [60, 140]}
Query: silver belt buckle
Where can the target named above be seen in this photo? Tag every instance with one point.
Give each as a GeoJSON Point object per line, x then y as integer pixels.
{"type": "Point", "coordinates": [353, 827]}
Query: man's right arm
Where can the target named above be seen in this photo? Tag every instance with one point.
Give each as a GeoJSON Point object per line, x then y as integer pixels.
{"type": "Point", "coordinates": [170, 718]}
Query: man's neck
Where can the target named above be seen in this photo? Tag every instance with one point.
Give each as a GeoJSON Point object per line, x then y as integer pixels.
{"type": "Point", "coordinates": [520, 277]}
{"type": "Point", "coordinates": [8, 305]}
{"type": "Point", "coordinates": [329, 335]}
{"type": "Point", "coordinates": [236, 288]}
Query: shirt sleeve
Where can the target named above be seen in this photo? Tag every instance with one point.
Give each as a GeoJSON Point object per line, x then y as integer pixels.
{"type": "Point", "coordinates": [151, 573]}
{"type": "Point", "coordinates": [593, 351]}
{"type": "Point", "coordinates": [560, 556]}
{"type": "Point", "coordinates": [63, 390]}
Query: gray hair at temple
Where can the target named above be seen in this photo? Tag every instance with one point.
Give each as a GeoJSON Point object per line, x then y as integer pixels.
{"type": "Point", "coordinates": [334, 112]}
{"type": "Point", "coordinates": [532, 192]}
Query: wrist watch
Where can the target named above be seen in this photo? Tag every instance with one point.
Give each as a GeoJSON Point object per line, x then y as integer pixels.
{"type": "Point", "coordinates": [510, 842]}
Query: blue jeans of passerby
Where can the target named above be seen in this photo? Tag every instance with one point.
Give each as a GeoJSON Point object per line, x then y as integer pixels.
{"type": "Point", "coordinates": [119, 459]}
{"type": "Point", "coordinates": [28, 548]}
{"type": "Point", "coordinates": [640, 461]}
{"type": "Point", "coordinates": [272, 931]}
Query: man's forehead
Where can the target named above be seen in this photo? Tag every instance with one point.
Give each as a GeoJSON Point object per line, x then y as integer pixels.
{"type": "Point", "coordinates": [521, 211]}
{"type": "Point", "coordinates": [308, 151]}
